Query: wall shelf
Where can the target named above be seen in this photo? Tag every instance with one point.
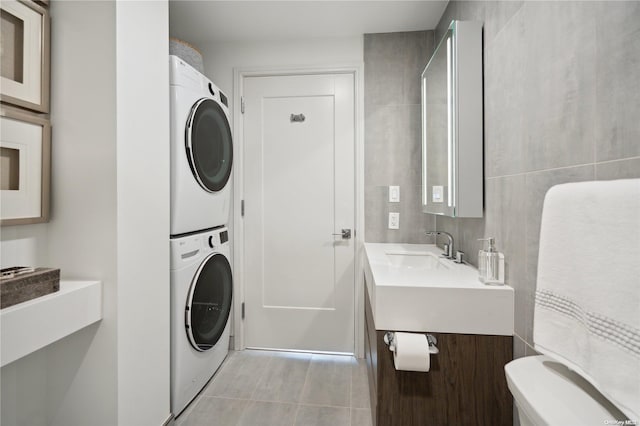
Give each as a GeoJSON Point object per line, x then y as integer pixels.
{"type": "Point", "coordinates": [32, 325]}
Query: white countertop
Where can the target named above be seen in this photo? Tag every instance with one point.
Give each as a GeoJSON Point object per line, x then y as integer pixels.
{"type": "Point", "coordinates": [445, 297]}
{"type": "Point", "coordinates": [32, 325]}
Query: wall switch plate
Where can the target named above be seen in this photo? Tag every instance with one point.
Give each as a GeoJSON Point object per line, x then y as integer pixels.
{"type": "Point", "coordinates": [437, 194]}
{"type": "Point", "coordinates": [394, 220]}
{"type": "Point", "coordinates": [394, 194]}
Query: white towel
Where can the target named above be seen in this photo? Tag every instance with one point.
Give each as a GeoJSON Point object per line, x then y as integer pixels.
{"type": "Point", "coordinates": [587, 309]}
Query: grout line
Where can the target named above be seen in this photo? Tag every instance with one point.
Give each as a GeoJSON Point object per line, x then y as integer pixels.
{"type": "Point", "coordinates": [616, 160]}
{"type": "Point", "coordinates": [263, 375]}
{"type": "Point", "coordinates": [242, 413]}
{"type": "Point", "coordinates": [342, 407]}
{"type": "Point", "coordinates": [307, 404]}
{"type": "Point", "coordinates": [353, 367]}
{"type": "Point", "coordinates": [306, 377]}
{"type": "Point", "coordinates": [227, 397]}
{"type": "Point", "coordinates": [529, 346]}
{"type": "Point", "coordinates": [295, 416]}
{"type": "Point", "coordinates": [528, 172]}
{"type": "Point", "coordinates": [527, 230]}
{"type": "Point", "coordinates": [595, 110]}
{"type": "Point", "coordinates": [495, 36]}
{"type": "Point", "coordinates": [524, 341]}
{"type": "Point", "coordinates": [351, 381]}
{"type": "Point", "coordinates": [594, 164]}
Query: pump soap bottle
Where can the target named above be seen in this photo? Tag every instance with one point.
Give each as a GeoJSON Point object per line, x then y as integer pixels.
{"type": "Point", "coordinates": [490, 263]}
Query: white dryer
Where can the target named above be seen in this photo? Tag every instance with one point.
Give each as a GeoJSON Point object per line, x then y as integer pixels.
{"type": "Point", "coordinates": [201, 297]}
{"type": "Point", "coordinates": [201, 151]}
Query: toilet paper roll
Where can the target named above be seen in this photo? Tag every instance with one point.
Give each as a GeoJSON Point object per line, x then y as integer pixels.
{"type": "Point", "coordinates": [411, 352]}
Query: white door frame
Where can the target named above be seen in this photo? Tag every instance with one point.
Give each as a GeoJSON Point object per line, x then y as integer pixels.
{"type": "Point", "coordinates": [239, 74]}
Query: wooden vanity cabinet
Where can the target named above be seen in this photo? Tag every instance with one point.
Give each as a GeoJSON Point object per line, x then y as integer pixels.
{"type": "Point", "coordinates": [465, 385]}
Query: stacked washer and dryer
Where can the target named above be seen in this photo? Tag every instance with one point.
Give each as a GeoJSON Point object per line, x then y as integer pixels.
{"type": "Point", "coordinates": [201, 279]}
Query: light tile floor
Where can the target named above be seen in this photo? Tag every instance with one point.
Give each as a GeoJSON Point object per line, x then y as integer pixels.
{"type": "Point", "coordinates": [256, 388]}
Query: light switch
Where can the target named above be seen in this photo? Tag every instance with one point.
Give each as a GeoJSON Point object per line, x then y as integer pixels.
{"type": "Point", "coordinates": [436, 194]}
{"type": "Point", "coordinates": [394, 194]}
{"type": "Point", "coordinates": [394, 220]}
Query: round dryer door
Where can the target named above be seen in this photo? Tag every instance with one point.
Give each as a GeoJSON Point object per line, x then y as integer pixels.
{"type": "Point", "coordinates": [209, 145]}
{"type": "Point", "coordinates": [209, 302]}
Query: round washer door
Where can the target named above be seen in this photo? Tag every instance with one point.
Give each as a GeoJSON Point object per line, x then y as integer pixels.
{"type": "Point", "coordinates": [209, 302]}
{"type": "Point", "coordinates": [209, 145]}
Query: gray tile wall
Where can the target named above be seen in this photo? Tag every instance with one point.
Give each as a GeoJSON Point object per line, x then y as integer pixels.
{"type": "Point", "coordinates": [561, 100]}
{"type": "Point", "coordinates": [393, 64]}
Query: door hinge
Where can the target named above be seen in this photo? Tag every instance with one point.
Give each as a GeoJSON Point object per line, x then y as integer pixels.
{"type": "Point", "coordinates": [242, 208]}
{"type": "Point", "coordinates": [242, 104]}
{"type": "Point", "coordinates": [242, 310]}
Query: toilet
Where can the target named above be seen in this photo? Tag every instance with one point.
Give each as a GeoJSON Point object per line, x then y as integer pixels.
{"type": "Point", "coordinates": [585, 321]}
{"type": "Point", "coordinates": [546, 392]}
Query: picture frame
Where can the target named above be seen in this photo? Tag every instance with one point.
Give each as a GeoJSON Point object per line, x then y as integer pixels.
{"type": "Point", "coordinates": [25, 167]}
{"type": "Point", "coordinates": [25, 61]}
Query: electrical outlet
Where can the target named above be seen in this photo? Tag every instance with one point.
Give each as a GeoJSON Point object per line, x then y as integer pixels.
{"type": "Point", "coordinates": [394, 194]}
{"type": "Point", "coordinates": [394, 220]}
{"type": "Point", "coordinates": [437, 194]}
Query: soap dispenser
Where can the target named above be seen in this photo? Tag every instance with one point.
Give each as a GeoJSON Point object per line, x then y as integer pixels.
{"type": "Point", "coordinates": [490, 263]}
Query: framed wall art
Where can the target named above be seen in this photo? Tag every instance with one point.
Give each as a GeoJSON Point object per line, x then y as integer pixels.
{"type": "Point", "coordinates": [25, 167]}
{"type": "Point", "coordinates": [24, 62]}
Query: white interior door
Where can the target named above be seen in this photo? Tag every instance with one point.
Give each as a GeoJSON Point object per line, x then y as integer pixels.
{"type": "Point", "coordinates": [299, 191]}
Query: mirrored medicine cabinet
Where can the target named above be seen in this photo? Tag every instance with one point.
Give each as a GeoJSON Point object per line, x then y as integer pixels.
{"type": "Point", "coordinates": [452, 133]}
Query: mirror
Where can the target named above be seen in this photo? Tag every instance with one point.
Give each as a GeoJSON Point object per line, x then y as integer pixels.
{"type": "Point", "coordinates": [452, 177]}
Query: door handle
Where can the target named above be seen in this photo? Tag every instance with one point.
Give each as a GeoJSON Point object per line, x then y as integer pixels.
{"type": "Point", "coordinates": [345, 234]}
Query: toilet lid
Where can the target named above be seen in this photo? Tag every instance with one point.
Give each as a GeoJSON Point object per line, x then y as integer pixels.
{"type": "Point", "coordinates": [551, 394]}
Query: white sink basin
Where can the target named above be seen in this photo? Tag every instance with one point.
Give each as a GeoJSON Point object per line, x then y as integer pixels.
{"type": "Point", "coordinates": [412, 288]}
{"type": "Point", "coordinates": [422, 260]}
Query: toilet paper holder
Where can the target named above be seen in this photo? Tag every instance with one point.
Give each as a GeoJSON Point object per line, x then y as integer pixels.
{"type": "Point", "coordinates": [389, 339]}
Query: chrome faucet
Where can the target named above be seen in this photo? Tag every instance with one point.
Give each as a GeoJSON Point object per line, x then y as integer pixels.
{"type": "Point", "coordinates": [448, 248]}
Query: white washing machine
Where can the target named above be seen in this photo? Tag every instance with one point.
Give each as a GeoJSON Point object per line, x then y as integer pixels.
{"type": "Point", "coordinates": [201, 297]}
{"type": "Point", "coordinates": [201, 151]}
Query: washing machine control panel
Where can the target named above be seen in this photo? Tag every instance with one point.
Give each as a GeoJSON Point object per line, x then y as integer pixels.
{"type": "Point", "coordinates": [190, 248]}
{"type": "Point", "coordinates": [218, 238]}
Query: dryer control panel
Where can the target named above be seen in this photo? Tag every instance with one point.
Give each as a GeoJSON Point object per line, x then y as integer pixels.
{"type": "Point", "coordinates": [192, 248]}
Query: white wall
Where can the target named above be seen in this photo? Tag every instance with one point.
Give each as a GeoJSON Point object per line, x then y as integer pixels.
{"type": "Point", "coordinates": [142, 39]}
{"type": "Point", "coordinates": [82, 239]}
{"type": "Point", "coordinates": [221, 58]}
{"type": "Point", "coordinates": [76, 381]}
{"type": "Point", "coordinates": [23, 245]}
{"type": "Point", "coordinates": [109, 221]}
